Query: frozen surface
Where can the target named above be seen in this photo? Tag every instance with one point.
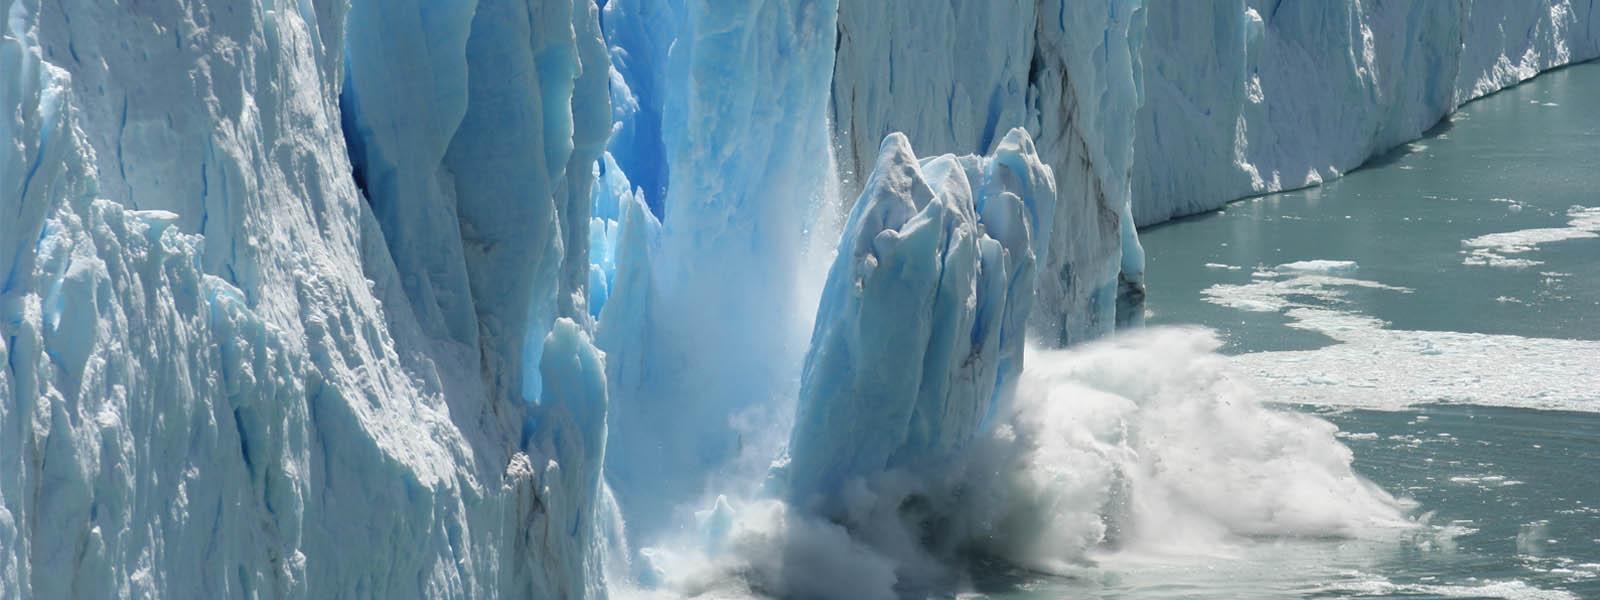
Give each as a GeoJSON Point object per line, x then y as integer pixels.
{"type": "Point", "coordinates": [1319, 265]}
{"type": "Point", "coordinates": [922, 319]}
{"type": "Point", "coordinates": [727, 102]}
{"type": "Point", "coordinates": [955, 76]}
{"type": "Point", "coordinates": [1254, 96]}
{"type": "Point", "coordinates": [1373, 366]}
{"type": "Point", "coordinates": [1492, 249]}
{"type": "Point", "coordinates": [222, 354]}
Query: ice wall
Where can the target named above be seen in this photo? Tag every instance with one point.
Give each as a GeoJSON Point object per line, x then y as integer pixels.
{"type": "Point", "coordinates": [227, 366]}
{"type": "Point", "coordinates": [1254, 96]}
{"type": "Point", "coordinates": [468, 172]}
{"type": "Point", "coordinates": [955, 76]}
{"type": "Point", "coordinates": [721, 106]}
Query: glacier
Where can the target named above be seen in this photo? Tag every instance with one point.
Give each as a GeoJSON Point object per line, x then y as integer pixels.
{"type": "Point", "coordinates": [225, 351]}
{"type": "Point", "coordinates": [703, 335]}
{"type": "Point", "coordinates": [955, 77]}
{"type": "Point", "coordinates": [1291, 94]}
{"type": "Point", "coordinates": [493, 298]}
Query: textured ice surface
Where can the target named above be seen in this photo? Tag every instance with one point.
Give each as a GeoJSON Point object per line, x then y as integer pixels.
{"type": "Point", "coordinates": [955, 76]}
{"type": "Point", "coordinates": [221, 355]}
{"type": "Point", "coordinates": [923, 315]}
{"type": "Point", "coordinates": [1252, 96]}
{"type": "Point", "coordinates": [722, 110]}
{"type": "Point", "coordinates": [469, 176]}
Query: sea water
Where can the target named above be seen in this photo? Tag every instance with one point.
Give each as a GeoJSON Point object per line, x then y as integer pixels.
{"type": "Point", "coordinates": [1441, 307]}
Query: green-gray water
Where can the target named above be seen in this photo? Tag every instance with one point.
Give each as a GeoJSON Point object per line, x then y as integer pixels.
{"type": "Point", "coordinates": [1441, 306]}
{"type": "Point", "coordinates": [1515, 161]}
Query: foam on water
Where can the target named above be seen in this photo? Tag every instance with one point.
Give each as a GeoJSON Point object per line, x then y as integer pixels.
{"type": "Point", "coordinates": [1504, 590]}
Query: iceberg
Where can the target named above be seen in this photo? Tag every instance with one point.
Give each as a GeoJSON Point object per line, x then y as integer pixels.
{"type": "Point", "coordinates": [923, 316]}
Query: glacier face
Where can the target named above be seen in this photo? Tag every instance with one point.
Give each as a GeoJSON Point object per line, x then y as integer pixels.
{"type": "Point", "coordinates": [1253, 96]}
{"type": "Point", "coordinates": [226, 364]}
{"type": "Point", "coordinates": [322, 298]}
{"type": "Point", "coordinates": [956, 76]}
{"type": "Point", "coordinates": [705, 337]}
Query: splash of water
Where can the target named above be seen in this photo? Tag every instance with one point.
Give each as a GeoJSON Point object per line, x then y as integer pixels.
{"type": "Point", "coordinates": [1145, 446]}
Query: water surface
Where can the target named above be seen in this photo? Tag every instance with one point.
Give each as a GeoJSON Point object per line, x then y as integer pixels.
{"type": "Point", "coordinates": [1441, 306]}
{"type": "Point", "coordinates": [1516, 161]}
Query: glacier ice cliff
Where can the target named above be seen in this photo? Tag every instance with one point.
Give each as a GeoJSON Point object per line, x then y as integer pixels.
{"type": "Point", "coordinates": [479, 298]}
{"type": "Point", "coordinates": [236, 369]}
{"type": "Point", "coordinates": [722, 106]}
{"type": "Point", "coordinates": [955, 76]}
{"type": "Point", "coordinates": [1252, 96]}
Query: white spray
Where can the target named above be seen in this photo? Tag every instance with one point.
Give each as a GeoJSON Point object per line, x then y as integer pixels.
{"type": "Point", "coordinates": [1147, 445]}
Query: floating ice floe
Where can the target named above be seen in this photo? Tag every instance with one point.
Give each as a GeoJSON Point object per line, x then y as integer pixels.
{"type": "Point", "coordinates": [1491, 249]}
{"type": "Point", "coordinates": [1371, 366]}
{"type": "Point", "coordinates": [1319, 266]}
